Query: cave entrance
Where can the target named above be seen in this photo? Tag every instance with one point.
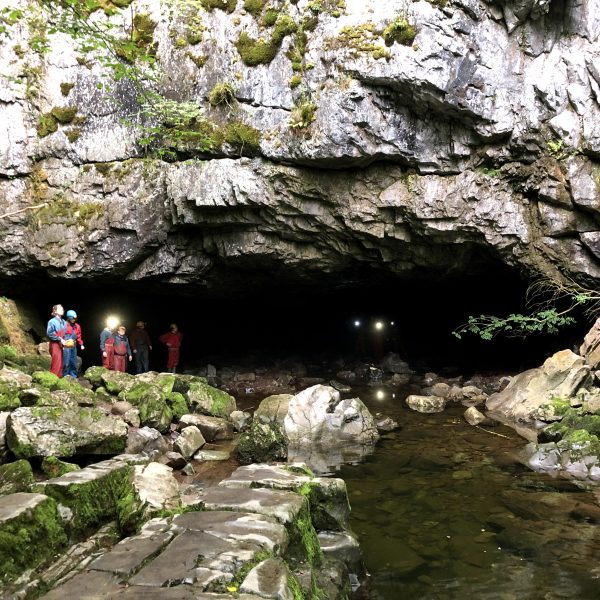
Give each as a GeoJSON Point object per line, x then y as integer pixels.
{"type": "Point", "coordinates": [316, 323]}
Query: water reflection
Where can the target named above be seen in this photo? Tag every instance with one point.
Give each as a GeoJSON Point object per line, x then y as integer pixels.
{"type": "Point", "coordinates": [443, 510]}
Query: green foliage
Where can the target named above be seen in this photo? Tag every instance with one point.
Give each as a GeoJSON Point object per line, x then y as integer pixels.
{"type": "Point", "coordinates": [358, 39]}
{"type": "Point", "coordinates": [64, 114]}
{"type": "Point", "coordinates": [7, 352]}
{"type": "Point", "coordinates": [221, 93]}
{"type": "Point", "coordinates": [242, 136]}
{"type": "Point", "coordinates": [557, 149]}
{"type": "Point", "coordinates": [284, 26]}
{"type": "Point", "coordinates": [295, 81]}
{"type": "Point", "coordinates": [46, 125]}
{"type": "Point", "coordinates": [303, 114]}
{"type": "Point", "coordinates": [65, 88]}
{"type": "Point", "coordinates": [517, 325]}
{"type": "Point", "coordinates": [270, 17]}
{"type": "Point", "coordinates": [399, 30]}
{"type": "Point", "coordinates": [489, 172]}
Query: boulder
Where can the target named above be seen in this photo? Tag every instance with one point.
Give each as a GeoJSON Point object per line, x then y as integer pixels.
{"type": "Point", "coordinates": [559, 377]}
{"type": "Point", "coordinates": [16, 477]}
{"type": "Point", "coordinates": [212, 428]}
{"type": "Point", "coordinates": [60, 431]}
{"type": "Point", "coordinates": [319, 416]}
{"type": "Point", "coordinates": [54, 467]}
{"type": "Point", "coordinates": [240, 420]}
{"type": "Point", "coordinates": [263, 442]}
{"type": "Point", "coordinates": [426, 404]}
{"type": "Point", "coordinates": [146, 441]}
{"type": "Point", "coordinates": [116, 382]}
{"type": "Point", "coordinates": [208, 400]}
{"type": "Point", "coordinates": [154, 411]}
{"type": "Point", "coordinates": [475, 417]}
{"type": "Point", "coordinates": [386, 425]}
{"type": "Point", "coordinates": [274, 408]}
{"type": "Point", "coordinates": [155, 489]}
{"type": "Point", "coordinates": [590, 349]}
{"type": "Point", "coordinates": [37, 516]}
{"type": "Point", "coordinates": [3, 446]}
{"type": "Point", "coordinates": [178, 404]}
{"type": "Point", "coordinates": [173, 460]}
{"type": "Point", "coordinates": [189, 441]}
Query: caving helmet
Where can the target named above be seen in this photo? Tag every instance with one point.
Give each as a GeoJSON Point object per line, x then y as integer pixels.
{"type": "Point", "coordinates": [71, 314]}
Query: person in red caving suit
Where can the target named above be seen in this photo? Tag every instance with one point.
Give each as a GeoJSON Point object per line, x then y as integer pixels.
{"type": "Point", "coordinates": [173, 341]}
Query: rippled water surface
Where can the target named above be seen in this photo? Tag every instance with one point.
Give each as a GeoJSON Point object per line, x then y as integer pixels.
{"type": "Point", "coordinates": [442, 511]}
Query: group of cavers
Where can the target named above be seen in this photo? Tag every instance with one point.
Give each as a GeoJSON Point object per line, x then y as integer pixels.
{"type": "Point", "coordinates": [116, 347]}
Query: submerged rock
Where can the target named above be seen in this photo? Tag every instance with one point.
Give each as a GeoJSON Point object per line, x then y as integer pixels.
{"type": "Point", "coordinates": [189, 441]}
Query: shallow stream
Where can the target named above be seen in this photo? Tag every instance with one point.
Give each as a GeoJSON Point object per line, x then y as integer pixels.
{"type": "Point", "coordinates": [443, 510]}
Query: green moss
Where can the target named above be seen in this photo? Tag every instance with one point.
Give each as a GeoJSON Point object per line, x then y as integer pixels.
{"type": "Point", "coordinates": [248, 566]}
{"type": "Point", "coordinates": [7, 352]}
{"type": "Point", "coordinates": [270, 17]}
{"type": "Point", "coordinates": [295, 81]}
{"type": "Point", "coordinates": [141, 42]}
{"type": "Point", "coordinates": [154, 411]}
{"type": "Point", "coordinates": [65, 88]}
{"type": "Point", "coordinates": [294, 587]}
{"type": "Point", "coordinates": [30, 540]}
{"type": "Point", "coordinates": [263, 442]}
{"type": "Point", "coordinates": [48, 380]}
{"type": "Point", "coordinates": [46, 125]}
{"type": "Point", "coordinates": [136, 393]}
{"type": "Point", "coordinates": [64, 114]}
{"type": "Point", "coordinates": [243, 137]}
{"type": "Point", "coordinates": [399, 30]}
{"type": "Point", "coordinates": [9, 396]}
{"type": "Point", "coordinates": [73, 134]}
{"type": "Point", "coordinates": [16, 477]}
{"type": "Point", "coordinates": [358, 39]}
{"type": "Point", "coordinates": [221, 93]}
{"type": "Point", "coordinates": [93, 502]}
{"type": "Point", "coordinates": [255, 52]}
{"type": "Point", "coordinates": [199, 61]}
{"type": "Point", "coordinates": [54, 467]}
{"type": "Point", "coordinates": [178, 404]}
{"type": "Point", "coordinates": [284, 26]}
{"type": "Point", "coordinates": [303, 114]}
{"type": "Point", "coordinates": [304, 543]}
{"type": "Point", "coordinates": [94, 375]}
{"type": "Point", "coordinates": [225, 5]}
{"type": "Point", "coordinates": [299, 469]}
{"type": "Point", "coordinates": [254, 7]}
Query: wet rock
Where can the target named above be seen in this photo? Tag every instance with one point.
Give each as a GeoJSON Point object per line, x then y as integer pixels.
{"type": "Point", "coordinates": [240, 420]}
{"type": "Point", "coordinates": [439, 389]}
{"type": "Point", "coordinates": [344, 546]}
{"type": "Point", "coordinates": [349, 376]}
{"type": "Point", "coordinates": [386, 425]}
{"type": "Point", "coordinates": [475, 417]}
{"type": "Point", "coordinates": [212, 428]}
{"type": "Point", "coordinates": [146, 441]}
{"type": "Point", "coordinates": [154, 411]}
{"type": "Point", "coordinates": [208, 455]}
{"type": "Point", "coordinates": [269, 579]}
{"type": "Point", "coordinates": [16, 477]}
{"type": "Point", "coordinates": [426, 404]}
{"type": "Point", "coordinates": [57, 431]}
{"type": "Point", "coordinates": [189, 441]}
{"type": "Point", "coordinates": [275, 408]}
{"type": "Point", "coordinates": [430, 378]}
{"type": "Point", "coordinates": [116, 382]}
{"type": "Point", "coordinates": [327, 497]}
{"type": "Point", "coordinates": [3, 446]}
{"type": "Point", "coordinates": [398, 379]}
{"type": "Point", "coordinates": [340, 387]}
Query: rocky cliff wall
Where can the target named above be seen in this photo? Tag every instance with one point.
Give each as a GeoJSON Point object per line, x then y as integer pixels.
{"type": "Point", "coordinates": [416, 138]}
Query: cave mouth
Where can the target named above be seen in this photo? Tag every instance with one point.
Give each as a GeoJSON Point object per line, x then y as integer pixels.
{"type": "Point", "coordinates": [316, 324]}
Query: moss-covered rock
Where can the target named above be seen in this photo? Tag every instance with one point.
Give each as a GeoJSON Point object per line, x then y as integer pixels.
{"type": "Point", "coordinates": [154, 411]}
{"type": "Point", "coordinates": [135, 394]}
{"type": "Point", "coordinates": [94, 375]}
{"type": "Point", "coordinates": [30, 533]}
{"type": "Point", "coordinates": [178, 404]}
{"type": "Point", "coordinates": [208, 400]}
{"type": "Point", "coordinates": [54, 467]}
{"type": "Point", "coordinates": [15, 477]}
{"type": "Point", "coordinates": [46, 379]}
{"type": "Point", "coordinates": [92, 494]}
{"type": "Point", "coordinates": [116, 382]}
{"type": "Point", "coordinates": [9, 396]}
{"type": "Point", "coordinates": [164, 382]}
{"type": "Point", "coordinates": [264, 442]}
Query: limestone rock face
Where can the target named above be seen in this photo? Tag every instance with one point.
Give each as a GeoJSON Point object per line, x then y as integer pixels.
{"type": "Point", "coordinates": [479, 137]}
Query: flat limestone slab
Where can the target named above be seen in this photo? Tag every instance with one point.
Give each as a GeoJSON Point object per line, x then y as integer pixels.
{"type": "Point", "coordinates": [128, 555]}
{"type": "Point", "coordinates": [261, 530]}
{"type": "Point", "coordinates": [88, 585]}
{"type": "Point", "coordinates": [14, 505]}
{"type": "Point", "coordinates": [283, 506]}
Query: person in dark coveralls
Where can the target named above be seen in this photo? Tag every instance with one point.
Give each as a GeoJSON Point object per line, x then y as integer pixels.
{"type": "Point", "coordinates": [173, 341]}
{"type": "Point", "coordinates": [72, 338]}
{"type": "Point", "coordinates": [118, 346]}
{"type": "Point", "coordinates": [56, 332]}
{"type": "Point", "coordinates": [141, 345]}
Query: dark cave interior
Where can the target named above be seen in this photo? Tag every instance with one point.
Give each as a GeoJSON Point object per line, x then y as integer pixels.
{"type": "Point", "coordinates": [317, 324]}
